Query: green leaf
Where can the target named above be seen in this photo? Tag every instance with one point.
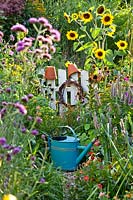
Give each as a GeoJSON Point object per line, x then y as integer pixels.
{"type": "Point", "coordinates": [95, 32]}
{"type": "Point", "coordinates": [75, 45]}
{"type": "Point", "coordinates": [109, 55]}
{"type": "Point", "coordinates": [85, 46]}
{"type": "Point", "coordinates": [119, 53]}
{"type": "Point", "coordinates": [83, 28]}
{"type": "Point", "coordinates": [87, 126]}
{"type": "Point", "coordinates": [82, 36]}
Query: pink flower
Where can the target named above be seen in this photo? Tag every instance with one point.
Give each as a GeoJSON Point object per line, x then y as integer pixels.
{"type": "Point", "coordinates": [33, 20]}
{"type": "Point", "coordinates": [1, 34]}
{"type": "Point", "coordinates": [43, 21]}
{"type": "Point", "coordinates": [101, 194]}
{"type": "Point", "coordinates": [55, 35]}
{"type": "Point", "coordinates": [21, 108]}
{"type": "Point", "coordinates": [19, 28]}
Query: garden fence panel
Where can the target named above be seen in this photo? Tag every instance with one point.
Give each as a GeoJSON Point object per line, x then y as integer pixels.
{"type": "Point", "coordinates": [50, 89]}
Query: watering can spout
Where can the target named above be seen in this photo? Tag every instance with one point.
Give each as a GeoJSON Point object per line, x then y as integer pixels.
{"type": "Point", "coordinates": [85, 151]}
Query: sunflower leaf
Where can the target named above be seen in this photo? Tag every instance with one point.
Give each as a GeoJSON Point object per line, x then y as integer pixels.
{"type": "Point", "coordinates": [85, 46]}
{"type": "Point", "coordinates": [109, 55]}
{"type": "Point", "coordinates": [75, 45]}
{"type": "Point", "coordinates": [95, 32]}
{"type": "Point", "coordinates": [119, 53]}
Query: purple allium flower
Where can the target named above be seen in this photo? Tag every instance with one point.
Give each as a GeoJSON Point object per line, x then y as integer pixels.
{"type": "Point", "coordinates": [30, 96]}
{"type": "Point", "coordinates": [42, 180]}
{"type": "Point", "coordinates": [38, 120]}
{"type": "Point", "coordinates": [34, 132]}
{"type": "Point", "coordinates": [23, 129]}
{"type": "Point", "coordinates": [2, 140]}
{"type": "Point", "coordinates": [29, 118]}
{"type": "Point", "coordinates": [43, 21]}
{"type": "Point", "coordinates": [55, 35]}
{"type": "Point", "coordinates": [8, 90]}
{"type": "Point", "coordinates": [25, 99]}
{"type": "Point", "coordinates": [19, 27]}
{"type": "Point", "coordinates": [33, 20]}
{"type": "Point", "coordinates": [21, 108]}
{"type": "Point", "coordinates": [8, 157]}
{"type": "Point", "coordinates": [1, 34]}
{"type": "Point", "coordinates": [16, 150]}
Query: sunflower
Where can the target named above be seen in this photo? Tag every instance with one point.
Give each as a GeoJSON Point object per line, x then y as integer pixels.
{"type": "Point", "coordinates": [112, 29]}
{"type": "Point", "coordinates": [74, 16]}
{"type": "Point", "coordinates": [86, 17]}
{"type": "Point", "coordinates": [67, 17]}
{"type": "Point", "coordinates": [100, 54]}
{"type": "Point", "coordinates": [67, 63]}
{"type": "Point", "coordinates": [100, 10]}
{"type": "Point", "coordinates": [121, 44]}
{"type": "Point", "coordinates": [107, 19]}
{"type": "Point", "coordinates": [72, 35]}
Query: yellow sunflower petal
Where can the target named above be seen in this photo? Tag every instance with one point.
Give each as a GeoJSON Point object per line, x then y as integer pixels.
{"type": "Point", "coordinates": [72, 35]}
{"type": "Point", "coordinates": [107, 19]}
{"type": "Point", "coordinates": [122, 45]}
{"type": "Point", "coordinates": [74, 16]}
{"type": "Point", "coordinates": [100, 54]}
{"type": "Point", "coordinates": [86, 17]}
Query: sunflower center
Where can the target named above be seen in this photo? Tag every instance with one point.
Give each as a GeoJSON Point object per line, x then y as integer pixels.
{"type": "Point", "coordinates": [72, 34]}
{"type": "Point", "coordinates": [122, 44]}
{"type": "Point", "coordinates": [100, 10]}
{"type": "Point", "coordinates": [86, 16]}
{"type": "Point", "coordinates": [100, 53]}
{"type": "Point", "coordinates": [107, 19]}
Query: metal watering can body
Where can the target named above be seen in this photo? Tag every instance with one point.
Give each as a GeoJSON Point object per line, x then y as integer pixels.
{"type": "Point", "coordinates": [65, 151]}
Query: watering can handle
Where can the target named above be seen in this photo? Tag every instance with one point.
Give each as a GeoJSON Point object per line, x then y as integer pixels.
{"type": "Point", "coordinates": [74, 134]}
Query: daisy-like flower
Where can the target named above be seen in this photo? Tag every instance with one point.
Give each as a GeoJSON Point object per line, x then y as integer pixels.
{"type": "Point", "coordinates": [100, 54]}
{"type": "Point", "coordinates": [67, 17]}
{"type": "Point", "coordinates": [112, 29]}
{"type": "Point", "coordinates": [107, 19]}
{"type": "Point", "coordinates": [9, 197]}
{"type": "Point", "coordinates": [100, 10]}
{"type": "Point", "coordinates": [74, 16]}
{"type": "Point", "coordinates": [121, 44]}
{"type": "Point", "coordinates": [72, 35]}
{"type": "Point", "coordinates": [86, 16]}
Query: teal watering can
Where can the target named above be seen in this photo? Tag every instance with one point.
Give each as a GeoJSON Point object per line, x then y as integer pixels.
{"type": "Point", "coordinates": [66, 152]}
